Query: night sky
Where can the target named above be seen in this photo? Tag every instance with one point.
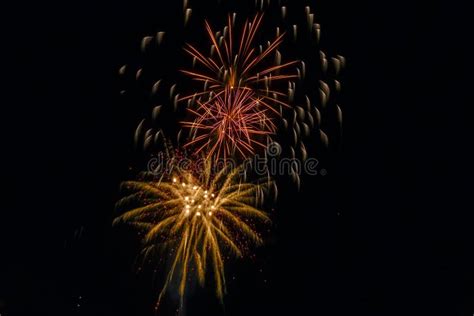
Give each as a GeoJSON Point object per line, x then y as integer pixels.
{"type": "Point", "coordinates": [388, 231]}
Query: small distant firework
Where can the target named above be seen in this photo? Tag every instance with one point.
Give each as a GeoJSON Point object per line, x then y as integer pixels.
{"type": "Point", "coordinates": [197, 217]}
{"type": "Point", "coordinates": [230, 125]}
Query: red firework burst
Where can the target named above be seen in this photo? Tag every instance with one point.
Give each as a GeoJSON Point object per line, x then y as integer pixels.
{"type": "Point", "coordinates": [239, 63]}
{"type": "Point", "coordinates": [231, 123]}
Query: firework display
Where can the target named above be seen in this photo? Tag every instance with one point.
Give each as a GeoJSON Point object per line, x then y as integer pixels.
{"type": "Point", "coordinates": [244, 87]}
{"type": "Point", "coordinates": [195, 218]}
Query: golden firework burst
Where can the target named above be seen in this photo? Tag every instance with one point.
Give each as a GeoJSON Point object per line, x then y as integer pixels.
{"type": "Point", "coordinates": [197, 220]}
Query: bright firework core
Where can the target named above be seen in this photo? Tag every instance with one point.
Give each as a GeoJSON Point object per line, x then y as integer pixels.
{"type": "Point", "coordinates": [197, 200]}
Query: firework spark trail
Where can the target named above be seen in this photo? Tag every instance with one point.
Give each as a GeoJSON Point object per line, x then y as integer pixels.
{"type": "Point", "coordinates": [237, 63]}
{"type": "Point", "coordinates": [197, 219]}
{"type": "Point", "coordinates": [230, 124]}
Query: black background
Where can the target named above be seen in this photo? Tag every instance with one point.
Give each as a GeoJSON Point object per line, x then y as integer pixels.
{"type": "Point", "coordinates": [388, 232]}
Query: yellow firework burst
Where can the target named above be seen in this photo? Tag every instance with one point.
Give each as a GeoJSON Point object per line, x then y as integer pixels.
{"type": "Point", "coordinates": [198, 220]}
